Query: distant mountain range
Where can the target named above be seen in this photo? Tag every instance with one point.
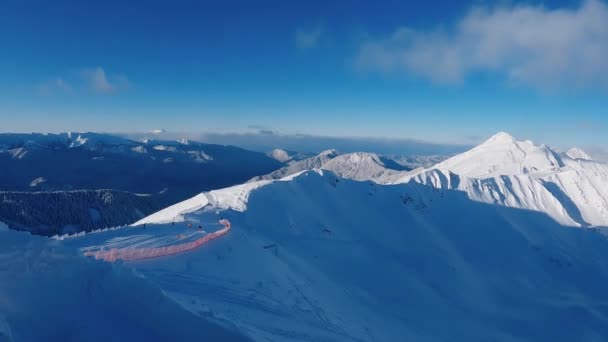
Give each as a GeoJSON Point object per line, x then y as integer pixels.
{"type": "Point", "coordinates": [91, 161]}
{"type": "Point", "coordinates": [356, 165]}
{"type": "Point", "coordinates": [67, 170]}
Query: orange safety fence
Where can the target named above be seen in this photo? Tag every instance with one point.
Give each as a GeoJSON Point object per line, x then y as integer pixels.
{"type": "Point", "coordinates": [128, 254]}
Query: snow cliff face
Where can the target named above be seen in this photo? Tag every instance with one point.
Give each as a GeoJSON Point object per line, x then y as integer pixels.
{"type": "Point", "coordinates": [522, 175]}
{"type": "Point", "coordinates": [316, 257]}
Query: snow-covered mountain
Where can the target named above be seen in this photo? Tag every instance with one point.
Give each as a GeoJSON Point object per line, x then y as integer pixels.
{"type": "Point", "coordinates": [43, 175]}
{"type": "Point", "coordinates": [314, 162]}
{"type": "Point", "coordinates": [357, 166]}
{"type": "Point", "coordinates": [75, 161]}
{"type": "Point", "coordinates": [480, 247]}
{"type": "Point", "coordinates": [316, 257]}
{"type": "Point", "coordinates": [522, 175]}
{"type": "Point", "coordinates": [503, 155]}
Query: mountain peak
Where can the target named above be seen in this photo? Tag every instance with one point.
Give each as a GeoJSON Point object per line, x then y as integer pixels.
{"type": "Point", "coordinates": [500, 138]}
{"type": "Point", "coordinates": [503, 155]}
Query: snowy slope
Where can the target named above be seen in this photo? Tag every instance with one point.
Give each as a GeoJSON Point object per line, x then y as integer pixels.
{"type": "Point", "coordinates": [316, 257]}
{"type": "Point", "coordinates": [365, 166]}
{"type": "Point", "coordinates": [522, 175]}
{"type": "Point", "coordinates": [503, 155]}
{"type": "Point", "coordinates": [51, 293]}
{"type": "Point", "coordinates": [230, 198]}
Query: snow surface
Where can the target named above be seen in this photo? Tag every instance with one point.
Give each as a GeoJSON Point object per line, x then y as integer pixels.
{"type": "Point", "coordinates": [51, 293]}
{"type": "Point", "coordinates": [230, 198]}
{"type": "Point", "coordinates": [316, 257]}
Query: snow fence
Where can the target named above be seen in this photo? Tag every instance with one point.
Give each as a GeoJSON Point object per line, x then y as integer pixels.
{"type": "Point", "coordinates": [129, 254]}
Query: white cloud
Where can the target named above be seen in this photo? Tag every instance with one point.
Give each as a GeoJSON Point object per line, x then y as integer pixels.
{"type": "Point", "coordinates": [307, 39]}
{"type": "Point", "coordinates": [527, 45]}
{"type": "Point", "coordinates": [99, 81]}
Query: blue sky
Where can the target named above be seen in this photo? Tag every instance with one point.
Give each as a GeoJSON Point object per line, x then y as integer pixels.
{"type": "Point", "coordinates": [442, 71]}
